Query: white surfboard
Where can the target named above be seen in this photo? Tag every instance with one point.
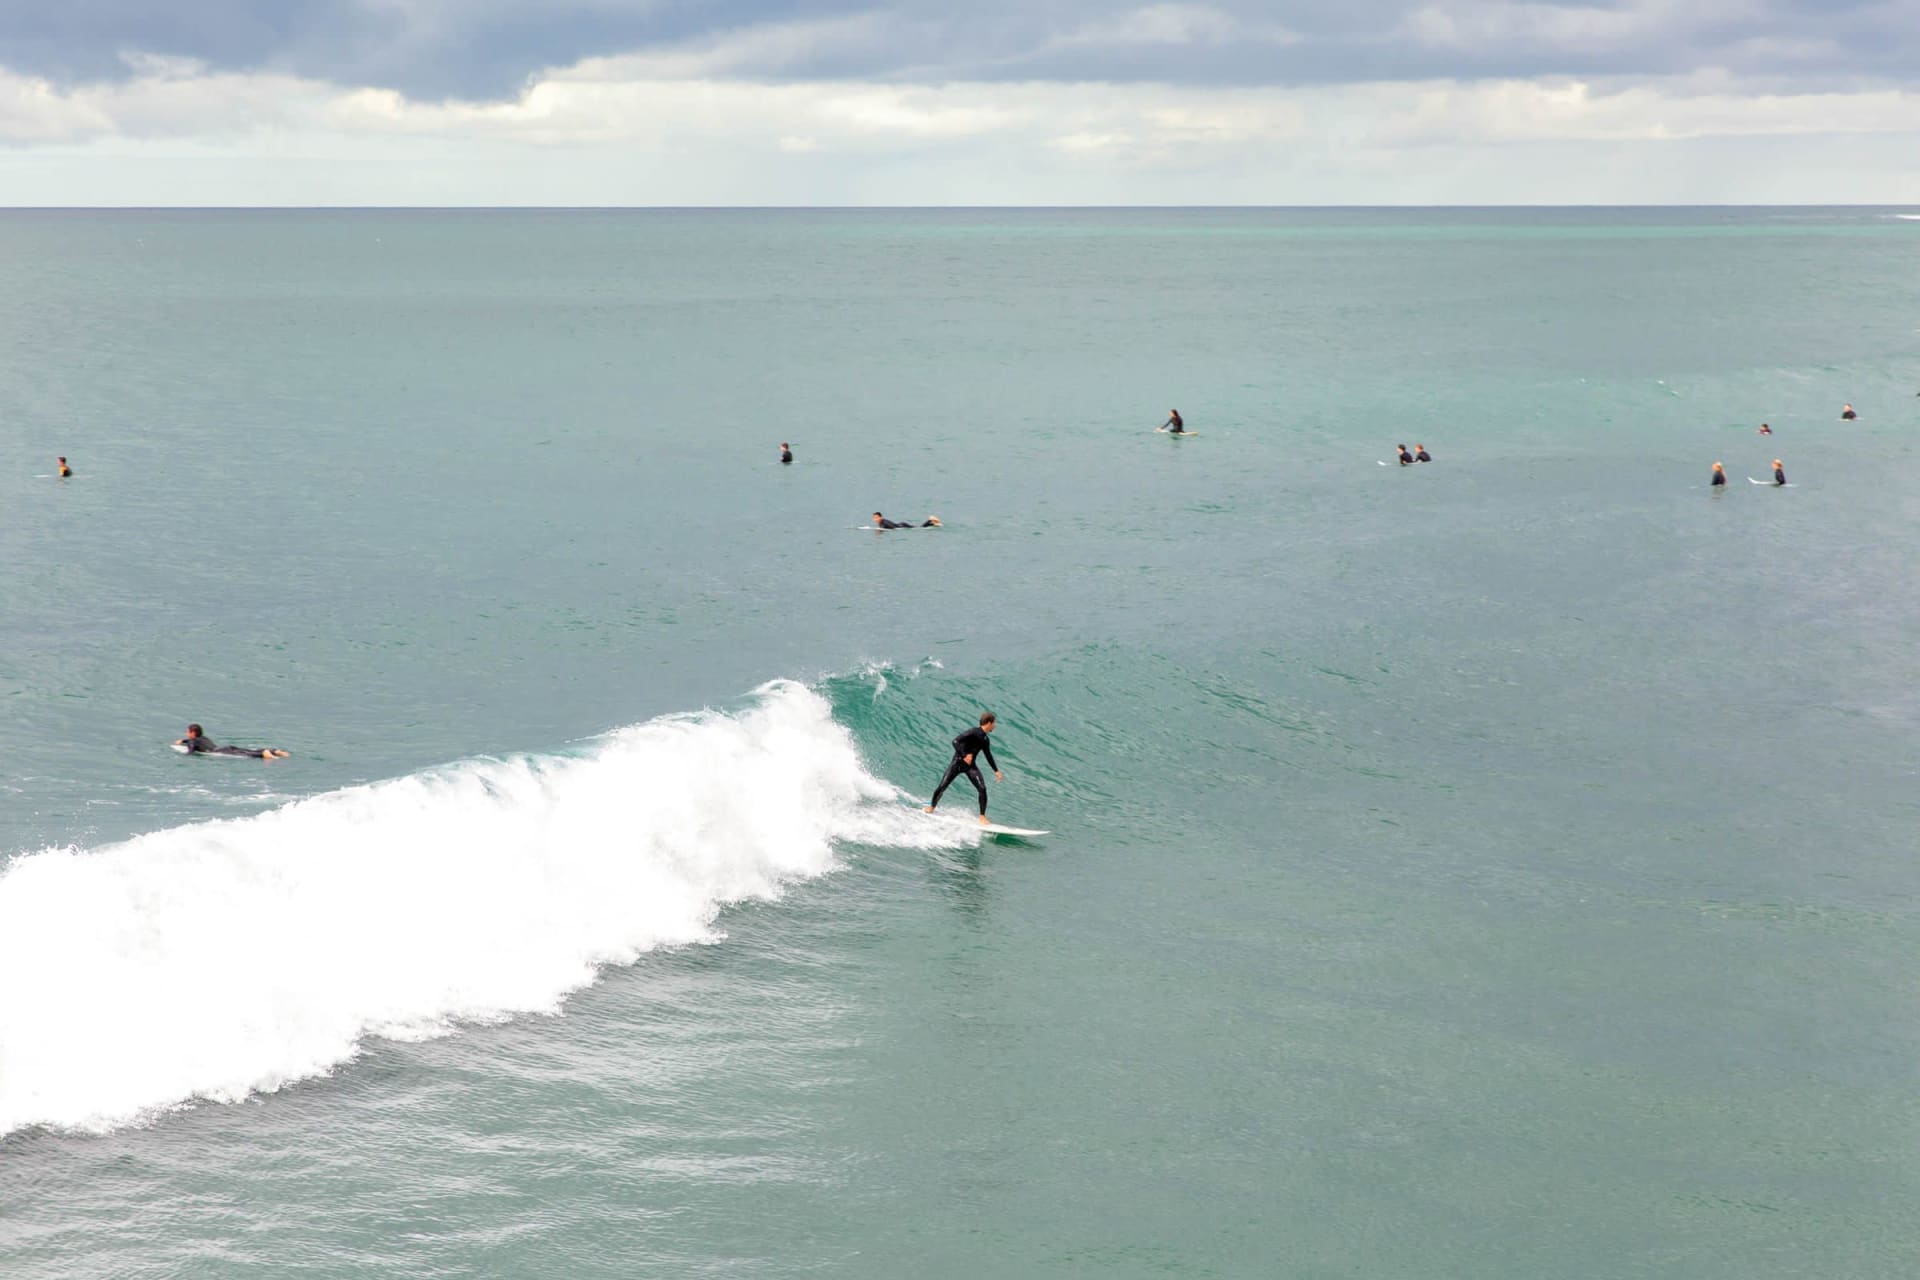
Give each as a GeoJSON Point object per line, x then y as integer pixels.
{"type": "Point", "coordinates": [1165, 432]}
{"type": "Point", "coordinates": [181, 747]}
{"type": "Point", "coordinates": [1770, 484]}
{"type": "Point", "coordinates": [990, 828]}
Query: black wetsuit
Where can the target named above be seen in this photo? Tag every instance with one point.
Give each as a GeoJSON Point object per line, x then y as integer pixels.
{"type": "Point", "coordinates": [1176, 424]}
{"type": "Point", "coordinates": [1849, 414]}
{"type": "Point", "coordinates": [205, 746]}
{"type": "Point", "coordinates": [1779, 476]}
{"type": "Point", "coordinates": [1719, 477]}
{"type": "Point", "coordinates": [970, 743]}
{"type": "Point", "coordinates": [896, 524]}
{"type": "Point", "coordinates": [1406, 459]}
{"type": "Point", "coordinates": [786, 456]}
{"type": "Point", "coordinates": [1423, 456]}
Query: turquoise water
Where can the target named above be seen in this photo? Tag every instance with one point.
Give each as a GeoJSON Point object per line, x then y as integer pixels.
{"type": "Point", "coordinates": [1503, 867]}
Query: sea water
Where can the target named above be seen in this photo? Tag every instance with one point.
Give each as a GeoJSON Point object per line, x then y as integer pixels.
{"type": "Point", "coordinates": [1498, 866]}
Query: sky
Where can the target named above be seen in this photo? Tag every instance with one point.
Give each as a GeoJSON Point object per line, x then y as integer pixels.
{"type": "Point", "coordinates": [982, 102]}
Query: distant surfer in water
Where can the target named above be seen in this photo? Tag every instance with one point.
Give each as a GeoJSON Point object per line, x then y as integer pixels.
{"type": "Point", "coordinates": [1406, 459]}
{"type": "Point", "coordinates": [1779, 474]}
{"type": "Point", "coordinates": [1765, 430]}
{"type": "Point", "coordinates": [1421, 454]}
{"type": "Point", "coordinates": [1719, 475]}
{"type": "Point", "coordinates": [198, 743]}
{"type": "Point", "coordinates": [1174, 423]}
{"type": "Point", "coordinates": [965, 747]}
{"type": "Point", "coordinates": [881, 522]}
{"type": "Point", "coordinates": [1846, 412]}
{"type": "Point", "coordinates": [786, 454]}
{"type": "Point", "coordinates": [65, 470]}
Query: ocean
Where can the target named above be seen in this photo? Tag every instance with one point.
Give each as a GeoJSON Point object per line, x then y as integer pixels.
{"type": "Point", "coordinates": [1502, 866]}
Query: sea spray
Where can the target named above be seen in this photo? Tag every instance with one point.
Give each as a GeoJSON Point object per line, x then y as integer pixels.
{"type": "Point", "coordinates": [231, 957]}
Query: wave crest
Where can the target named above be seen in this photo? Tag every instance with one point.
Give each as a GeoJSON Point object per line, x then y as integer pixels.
{"type": "Point", "coordinates": [230, 957]}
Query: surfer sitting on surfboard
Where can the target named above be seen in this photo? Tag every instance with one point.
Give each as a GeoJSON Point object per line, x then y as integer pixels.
{"type": "Point", "coordinates": [198, 743]}
{"type": "Point", "coordinates": [881, 522]}
{"type": "Point", "coordinates": [965, 748]}
{"type": "Point", "coordinates": [1174, 423]}
{"type": "Point", "coordinates": [1779, 474]}
{"type": "Point", "coordinates": [1406, 459]}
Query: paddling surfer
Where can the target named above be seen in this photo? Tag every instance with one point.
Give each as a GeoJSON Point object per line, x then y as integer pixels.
{"type": "Point", "coordinates": [965, 747]}
{"type": "Point", "coordinates": [198, 743]}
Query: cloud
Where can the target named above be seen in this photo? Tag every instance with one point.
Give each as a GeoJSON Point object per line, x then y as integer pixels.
{"type": "Point", "coordinates": [674, 101]}
{"type": "Point", "coordinates": [490, 49]}
{"type": "Point", "coordinates": [632, 102]}
{"type": "Point", "coordinates": [1177, 25]}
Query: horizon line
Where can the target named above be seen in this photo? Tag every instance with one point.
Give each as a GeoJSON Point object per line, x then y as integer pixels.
{"type": "Point", "coordinates": [878, 208]}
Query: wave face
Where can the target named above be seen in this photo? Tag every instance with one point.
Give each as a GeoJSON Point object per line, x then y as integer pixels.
{"type": "Point", "coordinates": [231, 957]}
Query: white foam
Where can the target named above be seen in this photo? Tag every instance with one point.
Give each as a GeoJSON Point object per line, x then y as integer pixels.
{"type": "Point", "coordinates": [231, 957]}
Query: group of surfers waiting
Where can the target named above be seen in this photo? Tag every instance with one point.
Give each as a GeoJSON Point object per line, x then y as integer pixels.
{"type": "Point", "coordinates": [1779, 475]}
{"type": "Point", "coordinates": [1779, 472]}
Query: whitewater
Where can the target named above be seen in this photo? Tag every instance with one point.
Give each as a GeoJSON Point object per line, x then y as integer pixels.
{"type": "Point", "coordinates": [233, 957]}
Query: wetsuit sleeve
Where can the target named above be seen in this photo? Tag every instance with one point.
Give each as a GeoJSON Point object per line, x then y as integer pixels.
{"type": "Point", "coordinates": [987, 747]}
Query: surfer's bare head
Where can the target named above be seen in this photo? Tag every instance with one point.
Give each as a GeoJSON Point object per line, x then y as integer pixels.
{"type": "Point", "coordinates": [193, 731]}
{"type": "Point", "coordinates": [986, 721]}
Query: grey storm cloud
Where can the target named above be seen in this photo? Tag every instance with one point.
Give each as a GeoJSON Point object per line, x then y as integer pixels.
{"type": "Point", "coordinates": [479, 49]}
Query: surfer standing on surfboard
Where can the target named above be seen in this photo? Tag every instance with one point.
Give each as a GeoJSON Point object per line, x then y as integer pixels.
{"type": "Point", "coordinates": [965, 748]}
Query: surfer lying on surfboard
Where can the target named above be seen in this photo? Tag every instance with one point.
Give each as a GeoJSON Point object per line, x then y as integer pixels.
{"type": "Point", "coordinates": [197, 743]}
{"type": "Point", "coordinates": [881, 522]}
{"type": "Point", "coordinates": [965, 748]}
